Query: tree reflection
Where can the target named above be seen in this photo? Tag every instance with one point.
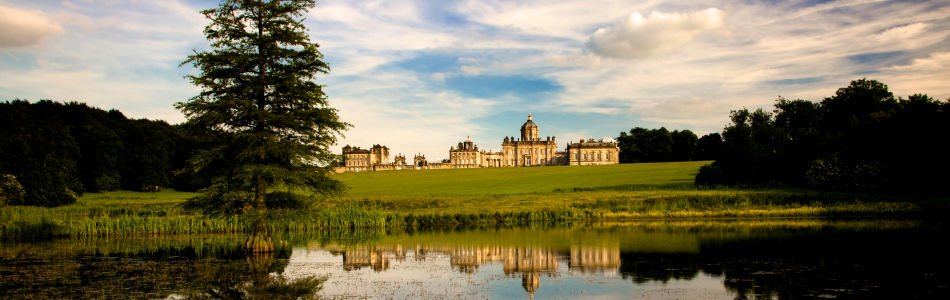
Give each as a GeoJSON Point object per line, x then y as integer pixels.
{"type": "Point", "coordinates": [768, 263]}
{"type": "Point", "coordinates": [662, 267]}
{"type": "Point", "coordinates": [189, 268]}
{"type": "Point", "coordinates": [261, 279]}
{"type": "Point", "coordinates": [895, 265]}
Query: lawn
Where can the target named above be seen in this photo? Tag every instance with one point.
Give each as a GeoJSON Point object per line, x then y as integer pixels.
{"type": "Point", "coordinates": [497, 181]}
{"type": "Point", "coordinates": [476, 197]}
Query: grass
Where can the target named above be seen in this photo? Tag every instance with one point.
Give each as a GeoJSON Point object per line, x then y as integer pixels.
{"type": "Point", "coordinates": [464, 197]}
{"type": "Point", "coordinates": [502, 181]}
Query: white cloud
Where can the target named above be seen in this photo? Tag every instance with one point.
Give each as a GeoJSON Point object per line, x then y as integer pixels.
{"type": "Point", "coordinates": [922, 75]}
{"type": "Point", "coordinates": [638, 36]}
{"type": "Point", "coordinates": [563, 19]}
{"type": "Point", "coordinates": [124, 55]}
{"type": "Point", "coordinates": [901, 32]}
{"type": "Point", "coordinates": [21, 28]}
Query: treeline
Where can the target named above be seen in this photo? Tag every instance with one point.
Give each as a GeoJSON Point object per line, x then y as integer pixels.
{"type": "Point", "coordinates": [860, 139]}
{"type": "Point", "coordinates": [57, 151]}
{"type": "Point", "coordinates": [659, 145]}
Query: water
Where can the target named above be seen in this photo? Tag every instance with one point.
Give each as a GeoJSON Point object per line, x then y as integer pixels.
{"type": "Point", "coordinates": [653, 260]}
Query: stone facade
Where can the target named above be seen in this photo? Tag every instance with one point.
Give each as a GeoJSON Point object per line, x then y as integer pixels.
{"type": "Point", "coordinates": [358, 160]}
{"type": "Point", "coordinates": [466, 155]}
{"type": "Point", "coordinates": [528, 150]}
{"type": "Point", "coordinates": [590, 152]}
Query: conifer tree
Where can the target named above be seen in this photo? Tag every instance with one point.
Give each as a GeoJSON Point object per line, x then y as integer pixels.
{"type": "Point", "coordinates": [258, 96]}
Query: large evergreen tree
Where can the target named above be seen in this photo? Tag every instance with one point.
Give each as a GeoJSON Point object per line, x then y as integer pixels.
{"type": "Point", "coordinates": [275, 124]}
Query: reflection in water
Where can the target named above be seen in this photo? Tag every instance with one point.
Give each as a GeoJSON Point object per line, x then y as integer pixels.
{"type": "Point", "coordinates": [152, 268]}
{"type": "Point", "coordinates": [595, 259]}
{"type": "Point", "coordinates": [706, 260]}
{"type": "Point", "coordinates": [527, 262]}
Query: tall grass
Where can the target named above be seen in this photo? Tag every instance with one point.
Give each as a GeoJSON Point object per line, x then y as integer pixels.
{"type": "Point", "coordinates": [36, 223]}
{"type": "Point", "coordinates": [85, 220]}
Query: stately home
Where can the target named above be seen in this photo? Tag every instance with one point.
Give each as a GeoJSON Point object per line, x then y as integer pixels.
{"type": "Point", "coordinates": [591, 152]}
{"type": "Point", "coordinates": [357, 159]}
{"type": "Point", "coordinates": [528, 150]}
{"type": "Point", "coordinates": [531, 150]}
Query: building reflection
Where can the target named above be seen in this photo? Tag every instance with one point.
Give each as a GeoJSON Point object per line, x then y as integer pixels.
{"type": "Point", "coordinates": [376, 258]}
{"type": "Point", "coordinates": [528, 262]}
{"type": "Point", "coordinates": [595, 259]}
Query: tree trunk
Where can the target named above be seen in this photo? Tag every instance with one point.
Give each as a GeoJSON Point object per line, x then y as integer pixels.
{"type": "Point", "coordinates": [259, 264]}
{"type": "Point", "coordinates": [259, 241]}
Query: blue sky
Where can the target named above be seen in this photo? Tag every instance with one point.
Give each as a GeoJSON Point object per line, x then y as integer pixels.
{"type": "Point", "coordinates": [420, 76]}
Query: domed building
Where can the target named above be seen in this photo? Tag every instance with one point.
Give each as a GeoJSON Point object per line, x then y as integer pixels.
{"type": "Point", "coordinates": [528, 150]}
{"type": "Point", "coordinates": [531, 150]}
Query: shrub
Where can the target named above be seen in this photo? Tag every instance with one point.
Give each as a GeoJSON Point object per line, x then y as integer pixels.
{"type": "Point", "coordinates": [10, 190]}
{"type": "Point", "coordinates": [833, 173]}
{"type": "Point", "coordinates": [709, 175]}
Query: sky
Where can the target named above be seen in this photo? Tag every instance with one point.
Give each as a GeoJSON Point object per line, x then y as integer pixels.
{"type": "Point", "coordinates": [422, 75]}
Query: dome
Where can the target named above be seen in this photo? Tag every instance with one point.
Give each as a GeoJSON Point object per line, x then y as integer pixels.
{"type": "Point", "coordinates": [529, 123]}
{"type": "Point", "coordinates": [607, 139]}
{"type": "Point", "coordinates": [468, 139]}
{"type": "Point", "coordinates": [529, 131]}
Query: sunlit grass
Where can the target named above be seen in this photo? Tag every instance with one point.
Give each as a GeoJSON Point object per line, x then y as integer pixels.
{"type": "Point", "coordinates": [468, 197]}
{"type": "Point", "coordinates": [493, 181]}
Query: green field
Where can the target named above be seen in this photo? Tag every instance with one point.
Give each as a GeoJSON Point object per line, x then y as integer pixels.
{"type": "Point", "coordinates": [465, 197]}
{"type": "Point", "coordinates": [645, 190]}
{"type": "Point", "coordinates": [496, 181]}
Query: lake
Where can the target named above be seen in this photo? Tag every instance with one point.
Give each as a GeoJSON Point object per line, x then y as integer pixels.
{"type": "Point", "coordinates": [811, 258]}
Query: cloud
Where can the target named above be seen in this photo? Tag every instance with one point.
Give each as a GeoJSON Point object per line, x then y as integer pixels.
{"type": "Point", "coordinates": [922, 75]}
{"type": "Point", "coordinates": [936, 61]}
{"type": "Point", "coordinates": [419, 75]}
{"type": "Point", "coordinates": [25, 28]}
{"type": "Point", "coordinates": [901, 32]}
{"type": "Point", "coordinates": [636, 36]}
{"type": "Point", "coordinates": [118, 55]}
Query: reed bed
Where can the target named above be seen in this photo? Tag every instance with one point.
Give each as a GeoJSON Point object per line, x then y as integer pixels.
{"type": "Point", "coordinates": [38, 223]}
{"type": "Point", "coordinates": [466, 198]}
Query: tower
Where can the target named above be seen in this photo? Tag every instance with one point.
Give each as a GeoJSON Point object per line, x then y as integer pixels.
{"type": "Point", "coordinates": [529, 131]}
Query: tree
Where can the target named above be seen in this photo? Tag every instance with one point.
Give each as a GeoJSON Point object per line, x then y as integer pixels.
{"type": "Point", "coordinates": [748, 152]}
{"type": "Point", "coordinates": [860, 139]}
{"type": "Point", "coordinates": [258, 96]}
{"type": "Point", "coordinates": [653, 145]}
{"type": "Point", "coordinates": [796, 123]}
{"type": "Point", "coordinates": [708, 147]}
{"type": "Point", "coordinates": [39, 149]}
{"type": "Point", "coordinates": [684, 145]}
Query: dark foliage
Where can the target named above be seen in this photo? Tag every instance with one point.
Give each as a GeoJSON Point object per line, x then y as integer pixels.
{"type": "Point", "coordinates": [10, 190]}
{"type": "Point", "coordinates": [709, 147]}
{"type": "Point", "coordinates": [657, 145]}
{"type": "Point", "coordinates": [860, 139]}
{"type": "Point", "coordinates": [60, 150]}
